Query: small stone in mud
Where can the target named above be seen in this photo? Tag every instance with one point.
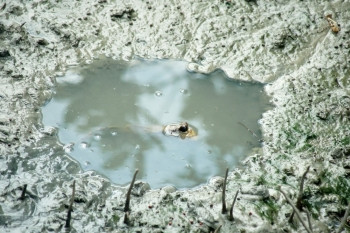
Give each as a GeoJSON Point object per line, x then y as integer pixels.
{"type": "Point", "coordinates": [140, 188]}
{"type": "Point", "coordinates": [15, 10]}
{"type": "Point", "coordinates": [42, 42]}
{"type": "Point", "coordinates": [322, 115]}
{"type": "Point", "coordinates": [169, 189]}
{"type": "Point", "coordinates": [126, 13]}
{"type": "Point", "coordinates": [17, 76]}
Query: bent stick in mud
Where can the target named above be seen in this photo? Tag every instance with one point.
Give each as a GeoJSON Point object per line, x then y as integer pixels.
{"type": "Point", "coordinates": [218, 229]}
{"type": "Point", "coordinates": [127, 202]}
{"type": "Point", "coordinates": [300, 194]}
{"type": "Point", "coordinates": [308, 219]}
{"type": "Point", "coordinates": [24, 190]}
{"type": "Point", "coordinates": [70, 208]}
{"type": "Point", "coordinates": [301, 189]}
{"type": "Point", "coordinates": [347, 212]}
{"type": "Point", "coordinates": [224, 209]}
{"type": "Point", "coordinates": [249, 130]}
{"type": "Point", "coordinates": [296, 211]}
{"type": "Point", "coordinates": [233, 204]}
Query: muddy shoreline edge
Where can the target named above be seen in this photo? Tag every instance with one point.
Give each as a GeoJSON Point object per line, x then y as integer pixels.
{"type": "Point", "coordinates": [288, 46]}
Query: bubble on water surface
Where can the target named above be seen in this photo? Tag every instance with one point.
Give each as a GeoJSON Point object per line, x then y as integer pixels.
{"type": "Point", "coordinates": [183, 91]}
{"type": "Point", "coordinates": [84, 145]}
{"type": "Point", "coordinates": [158, 93]}
{"type": "Point", "coordinates": [97, 137]}
{"type": "Point", "coordinates": [114, 133]}
{"type": "Point", "coordinates": [87, 163]}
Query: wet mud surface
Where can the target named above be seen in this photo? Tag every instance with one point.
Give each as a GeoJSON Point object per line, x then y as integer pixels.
{"type": "Point", "coordinates": [289, 46]}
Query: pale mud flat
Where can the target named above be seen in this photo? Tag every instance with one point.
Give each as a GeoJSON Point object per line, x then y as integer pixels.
{"type": "Point", "coordinates": [289, 46]}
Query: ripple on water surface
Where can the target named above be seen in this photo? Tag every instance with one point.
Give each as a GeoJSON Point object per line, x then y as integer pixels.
{"type": "Point", "coordinates": [110, 116]}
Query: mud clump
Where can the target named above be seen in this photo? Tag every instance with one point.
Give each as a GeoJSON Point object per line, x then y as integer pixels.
{"type": "Point", "coordinates": [127, 13]}
{"type": "Point", "coordinates": [4, 53]}
{"type": "Point", "coordinates": [307, 78]}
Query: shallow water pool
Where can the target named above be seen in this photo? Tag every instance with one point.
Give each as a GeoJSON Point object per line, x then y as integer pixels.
{"type": "Point", "coordinates": [110, 115]}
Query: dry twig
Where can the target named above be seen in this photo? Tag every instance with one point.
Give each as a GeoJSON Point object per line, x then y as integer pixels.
{"type": "Point", "coordinates": [3, 7]}
{"type": "Point", "coordinates": [296, 211]}
{"type": "Point", "coordinates": [233, 204]}
{"type": "Point", "coordinates": [300, 194]}
{"type": "Point", "coordinates": [301, 189]}
{"type": "Point", "coordinates": [24, 190]}
{"type": "Point", "coordinates": [126, 218]}
{"type": "Point", "coordinates": [343, 221]}
{"type": "Point", "coordinates": [308, 219]}
{"type": "Point", "coordinates": [128, 194]}
{"type": "Point", "coordinates": [223, 199]}
{"type": "Point", "coordinates": [218, 229]}
{"type": "Point", "coordinates": [70, 208]}
{"type": "Point", "coordinates": [250, 131]}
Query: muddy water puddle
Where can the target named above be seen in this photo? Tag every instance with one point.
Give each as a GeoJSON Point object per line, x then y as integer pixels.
{"type": "Point", "coordinates": [110, 117]}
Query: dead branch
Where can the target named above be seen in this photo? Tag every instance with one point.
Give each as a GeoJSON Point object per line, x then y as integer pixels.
{"type": "Point", "coordinates": [233, 204]}
{"type": "Point", "coordinates": [70, 208]}
{"type": "Point", "coordinates": [218, 229]}
{"type": "Point", "coordinates": [24, 190]}
{"type": "Point", "coordinates": [3, 7]}
{"type": "Point", "coordinates": [249, 130]}
{"type": "Point", "coordinates": [126, 218]}
{"type": "Point", "coordinates": [296, 211]}
{"type": "Point", "coordinates": [300, 194]}
{"type": "Point", "coordinates": [308, 219]}
{"type": "Point", "coordinates": [223, 199]}
{"type": "Point", "coordinates": [343, 221]}
{"type": "Point", "coordinates": [128, 194]}
{"type": "Point", "coordinates": [301, 189]}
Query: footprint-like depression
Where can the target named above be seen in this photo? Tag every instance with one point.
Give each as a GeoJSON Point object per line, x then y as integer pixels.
{"type": "Point", "coordinates": [177, 127]}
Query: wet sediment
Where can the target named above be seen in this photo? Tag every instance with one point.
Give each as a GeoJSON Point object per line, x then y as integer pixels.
{"type": "Point", "coordinates": [289, 46]}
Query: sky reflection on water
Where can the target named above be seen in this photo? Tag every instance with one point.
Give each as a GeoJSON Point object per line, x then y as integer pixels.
{"type": "Point", "coordinates": [110, 114]}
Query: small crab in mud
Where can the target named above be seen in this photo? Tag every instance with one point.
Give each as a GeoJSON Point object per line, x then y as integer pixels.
{"type": "Point", "coordinates": [332, 24]}
{"type": "Point", "coordinates": [182, 130]}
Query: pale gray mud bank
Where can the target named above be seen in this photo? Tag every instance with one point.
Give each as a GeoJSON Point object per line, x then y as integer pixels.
{"type": "Point", "coordinates": [290, 46]}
